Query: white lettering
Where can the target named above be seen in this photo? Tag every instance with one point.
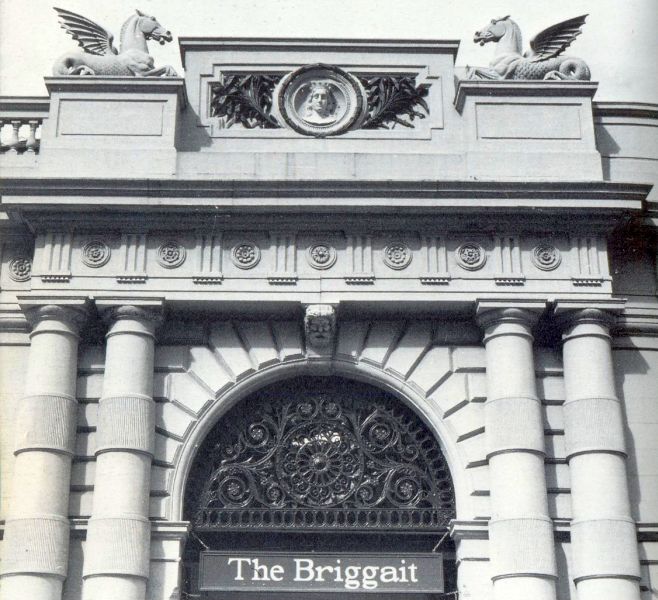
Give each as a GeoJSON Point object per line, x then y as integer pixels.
{"type": "Point", "coordinates": [260, 571]}
{"type": "Point", "coordinates": [352, 578]}
{"type": "Point", "coordinates": [276, 573]}
{"type": "Point", "coordinates": [320, 572]}
{"type": "Point", "coordinates": [303, 564]}
{"type": "Point", "coordinates": [369, 579]}
{"type": "Point", "coordinates": [238, 575]}
{"type": "Point", "coordinates": [389, 574]}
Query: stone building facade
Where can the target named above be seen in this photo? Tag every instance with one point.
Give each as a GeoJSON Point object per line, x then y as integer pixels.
{"type": "Point", "coordinates": [326, 234]}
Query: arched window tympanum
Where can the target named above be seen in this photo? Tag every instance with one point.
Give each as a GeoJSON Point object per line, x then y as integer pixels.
{"type": "Point", "coordinates": [320, 453]}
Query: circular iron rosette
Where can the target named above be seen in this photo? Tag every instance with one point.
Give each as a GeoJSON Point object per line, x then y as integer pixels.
{"type": "Point", "coordinates": [321, 100]}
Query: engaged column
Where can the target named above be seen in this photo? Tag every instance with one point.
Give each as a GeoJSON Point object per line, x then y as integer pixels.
{"type": "Point", "coordinates": [520, 531]}
{"type": "Point", "coordinates": [36, 543]}
{"type": "Point", "coordinates": [603, 538]}
{"type": "Point", "coordinates": [117, 553]}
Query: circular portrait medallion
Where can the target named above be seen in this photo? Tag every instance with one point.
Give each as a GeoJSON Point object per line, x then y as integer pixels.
{"type": "Point", "coordinates": [321, 100]}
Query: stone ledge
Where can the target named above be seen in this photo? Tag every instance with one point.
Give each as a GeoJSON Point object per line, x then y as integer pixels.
{"type": "Point", "coordinates": [522, 88]}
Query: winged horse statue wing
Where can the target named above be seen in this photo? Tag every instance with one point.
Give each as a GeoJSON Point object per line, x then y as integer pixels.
{"type": "Point", "coordinates": [91, 37]}
{"type": "Point", "coordinates": [554, 40]}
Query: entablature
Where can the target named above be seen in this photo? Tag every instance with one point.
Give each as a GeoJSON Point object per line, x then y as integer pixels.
{"type": "Point", "coordinates": [336, 261]}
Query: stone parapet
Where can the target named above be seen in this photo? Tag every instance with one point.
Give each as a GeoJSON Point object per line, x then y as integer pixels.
{"type": "Point", "coordinates": [139, 138]}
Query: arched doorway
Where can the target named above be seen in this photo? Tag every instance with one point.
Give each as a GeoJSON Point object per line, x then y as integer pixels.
{"type": "Point", "coordinates": [322, 465]}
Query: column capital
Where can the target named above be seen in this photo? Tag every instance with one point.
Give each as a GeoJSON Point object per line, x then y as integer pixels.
{"type": "Point", "coordinates": [70, 311]}
{"type": "Point", "coordinates": [146, 310]}
{"type": "Point", "coordinates": [494, 312]}
{"type": "Point", "coordinates": [599, 314]}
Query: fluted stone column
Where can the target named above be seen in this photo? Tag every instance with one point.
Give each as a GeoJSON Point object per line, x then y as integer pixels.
{"type": "Point", "coordinates": [603, 537]}
{"type": "Point", "coordinates": [118, 539]}
{"type": "Point", "coordinates": [36, 542]}
{"type": "Point", "coordinates": [520, 530]}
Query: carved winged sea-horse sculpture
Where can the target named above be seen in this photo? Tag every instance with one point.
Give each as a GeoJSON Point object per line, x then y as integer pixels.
{"type": "Point", "coordinates": [544, 60]}
{"type": "Point", "coordinates": [100, 57]}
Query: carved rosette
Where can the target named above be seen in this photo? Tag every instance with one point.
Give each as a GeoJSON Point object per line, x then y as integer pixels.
{"type": "Point", "coordinates": [397, 255]}
{"type": "Point", "coordinates": [95, 254]}
{"type": "Point", "coordinates": [171, 255]}
{"type": "Point", "coordinates": [321, 100]}
{"type": "Point", "coordinates": [321, 255]}
{"type": "Point", "coordinates": [470, 256]}
{"type": "Point", "coordinates": [546, 257]}
{"type": "Point", "coordinates": [20, 268]}
{"type": "Point", "coordinates": [245, 255]}
{"type": "Point", "coordinates": [320, 325]}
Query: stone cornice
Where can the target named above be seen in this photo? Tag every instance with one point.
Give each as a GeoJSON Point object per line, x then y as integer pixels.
{"type": "Point", "coordinates": [137, 85]}
{"type": "Point", "coordinates": [506, 87]}
{"type": "Point", "coordinates": [637, 321]}
{"type": "Point", "coordinates": [639, 110]}
{"type": "Point", "coordinates": [24, 107]}
{"type": "Point", "coordinates": [203, 196]}
{"type": "Point", "coordinates": [199, 188]}
{"type": "Point", "coordinates": [255, 44]}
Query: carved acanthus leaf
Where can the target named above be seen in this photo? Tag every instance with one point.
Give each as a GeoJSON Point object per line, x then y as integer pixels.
{"type": "Point", "coordinates": [245, 100]}
{"type": "Point", "coordinates": [394, 101]}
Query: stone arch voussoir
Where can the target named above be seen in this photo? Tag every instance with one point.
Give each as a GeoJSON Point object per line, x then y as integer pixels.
{"type": "Point", "coordinates": [400, 358]}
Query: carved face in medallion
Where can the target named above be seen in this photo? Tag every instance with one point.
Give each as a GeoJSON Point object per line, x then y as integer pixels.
{"type": "Point", "coordinates": [321, 100]}
{"type": "Point", "coordinates": [320, 106]}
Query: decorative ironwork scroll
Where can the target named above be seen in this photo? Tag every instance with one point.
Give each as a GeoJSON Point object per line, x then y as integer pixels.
{"type": "Point", "coordinates": [394, 101]}
{"type": "Point", "coordinates": [245, 99]}
{"type": "Point", "coordinates": [331, 454]}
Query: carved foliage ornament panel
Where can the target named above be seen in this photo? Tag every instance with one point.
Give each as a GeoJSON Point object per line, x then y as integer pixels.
{"type": "Point", "coordinates": [327, 455]}
{"type": "Point", "coordinates": [318, 100]}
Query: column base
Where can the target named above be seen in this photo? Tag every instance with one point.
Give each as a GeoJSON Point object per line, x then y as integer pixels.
{"type": "Point", "coordinates": [34, 587]}
{"type": "Point", "coordinates": [602, 588]}
{"type": "Point", "coordinates": [108, 587]}
{"type": "Point", "coordinates": [526, 588]}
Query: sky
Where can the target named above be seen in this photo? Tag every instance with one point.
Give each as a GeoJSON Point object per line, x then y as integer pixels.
{"type": "Point", "coordinates": [619, 40]}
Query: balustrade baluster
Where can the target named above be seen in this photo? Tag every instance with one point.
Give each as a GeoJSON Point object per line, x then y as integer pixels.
{"type": "Point", "coordinates": [31, 143]}
{"type": "Point", "coordinates": [13, 140]}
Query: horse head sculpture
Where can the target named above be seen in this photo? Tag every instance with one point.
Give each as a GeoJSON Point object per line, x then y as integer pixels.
{"type": "Point", "coordinates": [150, 28]}
{"type": "Point", "coordinates": [495, 31]}
{"type": "Point", "coordinates": [100, 57]}
{"type": "Point", "coordinates": [544, 60]}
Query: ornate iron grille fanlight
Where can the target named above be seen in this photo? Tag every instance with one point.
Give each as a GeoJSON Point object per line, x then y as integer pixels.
{"type": "Point", "coordinates": [322, 455]}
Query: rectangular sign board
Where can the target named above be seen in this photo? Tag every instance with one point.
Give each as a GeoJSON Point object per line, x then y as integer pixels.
{"type": "Point", "coordinates": [320, 572]}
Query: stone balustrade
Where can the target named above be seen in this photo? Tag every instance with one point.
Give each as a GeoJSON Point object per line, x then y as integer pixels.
{"type": "Point", "coordinates": [20, 124]}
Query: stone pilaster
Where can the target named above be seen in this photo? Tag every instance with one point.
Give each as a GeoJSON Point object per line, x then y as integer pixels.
{"type": "Point", "coordinates": [36, 542]}
{"type": "Point", "coordinates": [117, 553]}
{"type": "Point", "coordinates": [603, 538]}
{"type": "Point", "coordinates": [520, 530]}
